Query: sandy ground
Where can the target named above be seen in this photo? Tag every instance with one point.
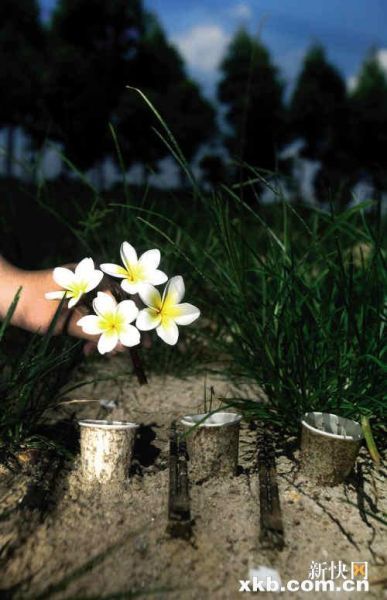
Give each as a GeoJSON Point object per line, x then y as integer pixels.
{"type": "Point", "coordinates": [113, 544]}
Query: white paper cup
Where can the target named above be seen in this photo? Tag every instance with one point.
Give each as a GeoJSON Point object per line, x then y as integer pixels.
{"type": "Point", "coordinates": [212, 445]}
{"type": "Point", "coordinates": [329, 447]}
{"type": "Point", "coordinates": [106, 450]}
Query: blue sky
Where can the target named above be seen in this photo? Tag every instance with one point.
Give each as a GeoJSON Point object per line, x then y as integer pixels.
{"type": "Point", "coordinates": [202, 29]}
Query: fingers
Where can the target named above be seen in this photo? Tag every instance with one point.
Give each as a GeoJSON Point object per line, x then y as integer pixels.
{"type": "Point", "coordinates": [89, 348]}
{"type": "Point", "coordinates": [147, 340]}
{"type": "Point", "coordinates": [108, 287]}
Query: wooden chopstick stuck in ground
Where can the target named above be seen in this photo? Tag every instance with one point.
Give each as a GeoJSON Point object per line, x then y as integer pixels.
{"type": "Point", "coordinates": [179, 511]}
{"type": "Point", "coordinates": [272, 530]}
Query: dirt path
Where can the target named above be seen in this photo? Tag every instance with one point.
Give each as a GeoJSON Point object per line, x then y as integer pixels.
{"type": "Point", "coordinates": [92, 545]}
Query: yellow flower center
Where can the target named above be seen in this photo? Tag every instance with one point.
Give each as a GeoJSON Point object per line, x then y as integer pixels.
{"type": "Point", "coordinates": [111, 323]}
{"type": "Point", "coordinates": [135, 273]}
{"type": "Point", "coordinates": [167, 310]}
{"type": "Point", "coordinates": [170, 312]}
{"type": "Point", "coordinates": [77, 289]}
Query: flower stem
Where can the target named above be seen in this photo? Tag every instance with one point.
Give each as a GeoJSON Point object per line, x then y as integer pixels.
{"type": "Point", "coordinates": [137, 366]}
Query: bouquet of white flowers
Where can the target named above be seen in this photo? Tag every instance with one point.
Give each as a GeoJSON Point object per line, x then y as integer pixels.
{"type": "Point", "coordinates": [122, 322]}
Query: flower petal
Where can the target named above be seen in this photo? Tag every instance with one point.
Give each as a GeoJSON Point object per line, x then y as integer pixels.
{"type": "Point", "coordinates": [113, 270]}
{"type": "Point", "coordinates": [74, 300]}
{"type": "Point", "coordinates": [107, 342]}
{"type": "Point", "coordinates": [128, 310]}
{"type": "Point", "coordinates": [185, 314]}
{"type": "Point", "coordinates": [128, 254]}
{"type": "Point", "coordinates": [89, 324]}
{"type": "Point", "coordinates": [63, 277]}
{"type": "Point", "coordinates": [94, 279]}
{"type": "Point", "coordinates": [129, 287]}
{"type": "Point", "coordinates": [130, 336]}
{"type": "Point", "coordinates": [104, 303]}
{"type": "Point", "coordinates": [150, 295]}
{"type": "Point", "coordinates": [55, 295]}
{"type": "Point", "coordinates": [174, 291]}
{"type": "Point", "coordinates": [168, 331]}
{"type": "Point", "coordinates": [157, 277]}
{"type": "Point", "coordinates": [84, 268]}
{"type": "Point", "coordinates": [148, 319]}
{"type": "Point", "coordinates": [150, 260]}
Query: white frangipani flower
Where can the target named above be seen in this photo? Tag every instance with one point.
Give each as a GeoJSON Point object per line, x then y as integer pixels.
{"type": "Point", "coordinates": [111, 321]}
{"type": "Point", "coordinates": [136, 271]}
{"type": "Point", "coordinates": [165, 313]}
{"type": "Point", "coordinates": [75, 284]}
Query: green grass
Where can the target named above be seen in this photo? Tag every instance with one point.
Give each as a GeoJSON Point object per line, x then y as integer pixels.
{"type": "Point", "coordinates": [306, 318]}
{"type": "Point", "coordinates": [292, 298]}
{"type": "Point", "coordinates": [300, 306]}
{"type": "Point", "coordinates": [299, 309]}
{"type": "Point", "coordinates": [33, 370]}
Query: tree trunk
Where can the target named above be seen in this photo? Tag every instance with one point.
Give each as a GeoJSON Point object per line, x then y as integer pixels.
{"type": "Point", "coordinates": [144, 175]}
{"type": "Point", "coordinates": [100, 175]}
{"type": "Point", "coordinates": [63, 171]}
{"type": "Point", "coordinates": [10, 151]}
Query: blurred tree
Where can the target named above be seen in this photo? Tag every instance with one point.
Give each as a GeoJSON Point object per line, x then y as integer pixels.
{"type": "Point", "coordinates": [190, 116]}
{"type": "Point", "coordinates": [97, 48]}
{"type": "Point", "coordinates": [160, 74]}
{"type": "Point", "coordinates": [92, 42]}
{"type": "Point", "coordinates": [318, 105]}
{"type": "Point", "coordinates": [252, 94]}
{"type": "Point", "coordinates": [213, 169]}
{"type": "Point", "coordinates": [319, 113]}
{"type": "Point", "coordinates": [21, 47]}
{"type": "Point", "coordinates": [369, 111]}
{"type": "Point", "coordinates": [77, 105]}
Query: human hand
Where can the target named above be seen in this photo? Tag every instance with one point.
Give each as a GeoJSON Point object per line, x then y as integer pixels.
{"type": "Point", "coordinates": [37, 312]}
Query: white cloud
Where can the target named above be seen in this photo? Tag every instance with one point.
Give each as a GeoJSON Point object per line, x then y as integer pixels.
{"type": "Point", "coordinates": [352, 83]}
{"type": "Point", "coordinates": [203, 46]}
{"type": "Point", "coordinates": [381, 55]}
{"type": "Point", "coordinates": [241, 11]}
